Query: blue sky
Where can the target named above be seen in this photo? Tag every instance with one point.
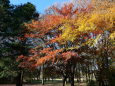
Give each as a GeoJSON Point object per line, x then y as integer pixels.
{"type": "Point", "coordinates": [41, 5]}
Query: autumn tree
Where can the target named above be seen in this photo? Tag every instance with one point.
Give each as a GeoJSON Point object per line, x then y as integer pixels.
{"type": "Point", "coordinates": [76, 35]}
{"type": "Point", "coordinates": [49, 29]}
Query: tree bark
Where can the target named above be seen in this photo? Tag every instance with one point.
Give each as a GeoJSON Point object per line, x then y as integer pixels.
{"type": "Point", "coordinates": [64, 80]}
{"type": "Point", "coordinates": [42, 74]}
{"type": "Point", "coordinates": [19, 81]}
{"type": "Point", "coordinates": [72, 79]}
{"type": "Point", "coordinates": [72, 75]}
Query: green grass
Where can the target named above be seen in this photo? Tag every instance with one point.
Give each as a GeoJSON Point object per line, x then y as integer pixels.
{"type": "Point", "coordinates": [54, 83]}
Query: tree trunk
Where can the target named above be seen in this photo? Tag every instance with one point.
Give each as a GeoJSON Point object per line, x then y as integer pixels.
{"type": "Point", "coordinates": [19, 81]}
{"type": "Point", "coordinates": [72, 75]}
{"type": "Point", "coordinates": [72, 79]}
{"type": "Point", "coordinates": [64, 80]}
{"type": "Point", "coordinates": [42, 74]}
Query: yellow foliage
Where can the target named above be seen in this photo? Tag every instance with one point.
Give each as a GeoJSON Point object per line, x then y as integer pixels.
{"type": "Point", "coordinates": [99, 19]}
{"type": "Point", "coordinates": [112, 36]}
{"type": "Point", "coordinates": [68, 33]}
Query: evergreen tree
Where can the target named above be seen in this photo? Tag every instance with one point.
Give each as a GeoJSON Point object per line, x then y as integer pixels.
{"type": "Point", "coordinates": [12, 19]}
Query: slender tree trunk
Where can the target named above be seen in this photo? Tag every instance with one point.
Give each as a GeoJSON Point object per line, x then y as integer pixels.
{"type": "Point", "coordinates": [64, 80]}
{"type": "Point", "coordinates": [72, 75]}
{"type": "Point", "coordinates": [19, 81]}
{"type": "Point", "coordinates": [42, 74]}
{"type": "Point", "coordinates": [72, 79]}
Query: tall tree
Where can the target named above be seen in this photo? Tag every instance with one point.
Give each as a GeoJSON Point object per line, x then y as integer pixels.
{"type": "Point", "coordinates": [12, 19]}
{"type": "Point", "coordinates": [70, 32]}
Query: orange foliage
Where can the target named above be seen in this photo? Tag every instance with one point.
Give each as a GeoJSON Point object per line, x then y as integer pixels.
{"type": "Point", "coordinates": [69, 54]}
{"type": "Point", "coordinates": [49, 56]}
{"type": "Point", "coordinates": [45, 25]}
{"type": "Point", "coordinates": [67, 10]}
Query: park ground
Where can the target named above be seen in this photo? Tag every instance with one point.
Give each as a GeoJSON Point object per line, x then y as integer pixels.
{"type": "Point", "coordinates": [55, 84]}
{"type": "Point", "coordinates": [59, 84]}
